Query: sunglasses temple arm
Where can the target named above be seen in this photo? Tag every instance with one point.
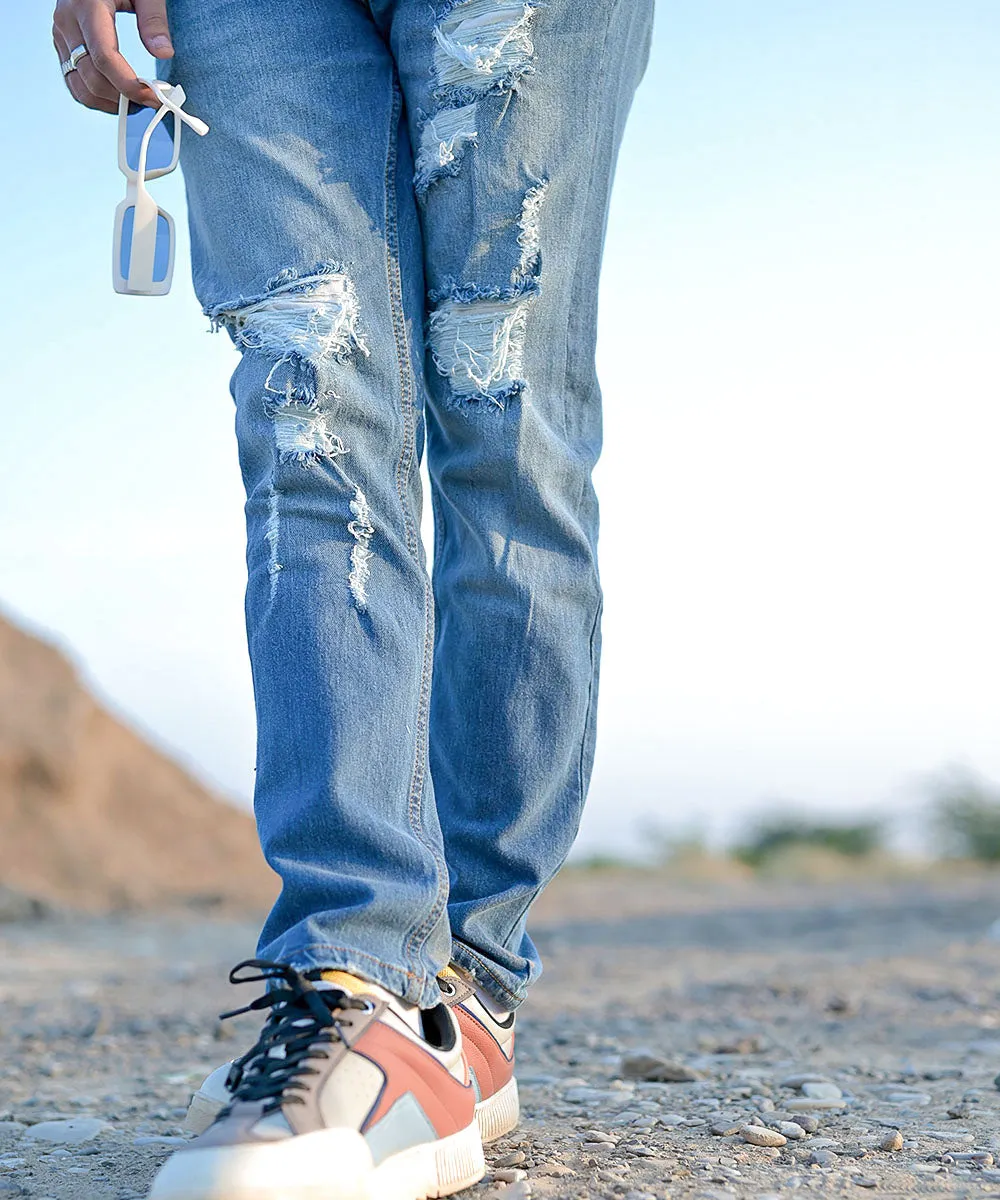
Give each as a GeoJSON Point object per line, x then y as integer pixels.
{"type": "Point", "coordinates": [191, 122]}
{"type": "Point", "coordinates": [140, 166]}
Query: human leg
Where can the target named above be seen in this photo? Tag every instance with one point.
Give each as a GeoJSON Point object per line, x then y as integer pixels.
{"type": "Point", "coordinates": [306, 248]}
{"type": "Point", "coordinates": [516, 112]}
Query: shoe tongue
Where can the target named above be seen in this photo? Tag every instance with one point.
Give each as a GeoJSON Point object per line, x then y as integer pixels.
{"type": "Point", "coordinates": [355, 986]}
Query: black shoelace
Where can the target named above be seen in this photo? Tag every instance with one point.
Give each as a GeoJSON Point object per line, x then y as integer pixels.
{"type": "Point", "coordinates": [304, 1019]}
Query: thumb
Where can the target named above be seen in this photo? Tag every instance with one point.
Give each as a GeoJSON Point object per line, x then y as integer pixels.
{"type": "Point", "coordinates": [151, 17]}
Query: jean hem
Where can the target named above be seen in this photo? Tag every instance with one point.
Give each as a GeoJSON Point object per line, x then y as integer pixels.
{"type": "Point", "coordinates": [421, 990]}
{"type": "Point", "coordinates": [490, 978]}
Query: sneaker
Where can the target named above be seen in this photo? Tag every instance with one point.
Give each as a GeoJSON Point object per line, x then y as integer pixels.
{"type": "Point", "coordinates": [348, 1094]}
{"type": "Point", "coordinates": [488, 1040]}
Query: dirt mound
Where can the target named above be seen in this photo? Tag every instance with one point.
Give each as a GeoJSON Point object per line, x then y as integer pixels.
{"type": "Point", "coordinates": [93, 817]}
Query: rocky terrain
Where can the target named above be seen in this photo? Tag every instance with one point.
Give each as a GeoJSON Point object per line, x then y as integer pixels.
{"type": "Point", "coordinates": [716, 1040]}
{"type": "Point", "coordinates": [92, 817]}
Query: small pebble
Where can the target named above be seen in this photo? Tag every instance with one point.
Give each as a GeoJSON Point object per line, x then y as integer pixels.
{"type": "Point", "coordinates": [892, 1141]}
{"type": "Point", "coordinates": [914, 1099]}
{"type": "Point", "coordinates": [588, 1095]}
{"type": "Point", "coordinates": [509, 1176]}
{"type": "Point", "coordinates": [823, 1158]}
{"type": "Point", "coordinates": [515, 1158]}
{"type": "Point", "coordinates": [658, 1070]}
{"type": "Point", "coordinates": [821, 1091]}
{"type": "Point", "coordinates": [71, 1132]}
{"type": "Point", "coordinates": [866, 1181]}
{"type": "Point", "coordinates": [796, 1081]}
{"type": "Point", "coordinates": [554, 1170]}
{"type": "Point", "coordinates": [757, 1135]}
{"type": "Point", "coordinates": [811, 1104]}
{"type": "Point", "coordinates": [791, 1130]}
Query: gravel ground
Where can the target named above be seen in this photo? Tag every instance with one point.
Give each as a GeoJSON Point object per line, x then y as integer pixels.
{"type": "Point", "coordinates": [712, 1040]}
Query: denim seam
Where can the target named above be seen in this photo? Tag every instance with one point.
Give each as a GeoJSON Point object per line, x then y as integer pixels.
{"type": "Point", "coordinates": [464, 947]}
{"type": "Point", "coordinates": [588, 715]}
{"type": "Point", "coordinates": [589, 711]}
{"type": "Point", "coordinates": [420, 932]}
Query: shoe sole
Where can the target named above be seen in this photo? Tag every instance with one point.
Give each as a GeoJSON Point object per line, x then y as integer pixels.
{"type": "Point", "coordinates": [497, 1115]}
{"type": "Point", "coordinates": [338, 1161]}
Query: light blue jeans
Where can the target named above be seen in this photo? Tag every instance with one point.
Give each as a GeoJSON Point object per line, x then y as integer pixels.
{"type": "Point", "coordinates": [398, 216]}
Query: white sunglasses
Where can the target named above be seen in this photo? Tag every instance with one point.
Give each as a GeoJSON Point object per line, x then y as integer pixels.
{"type": "Point", "coordinates": [149, 145]}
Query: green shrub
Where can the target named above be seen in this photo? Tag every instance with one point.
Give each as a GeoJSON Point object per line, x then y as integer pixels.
{"type": "Point", "coordinates": [777, 834]}
{"type": "Point", "coordinates": [967, 817]}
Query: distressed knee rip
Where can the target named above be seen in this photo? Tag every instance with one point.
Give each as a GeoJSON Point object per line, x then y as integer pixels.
{"type": "Point", "coordinates": [300, 322]}
{"type": "Point", "coordinates": [481, 47]}
{"type": "Point", "coordinates": [479, 346]}
{"type": "Point", "coordinates": [476, 335]}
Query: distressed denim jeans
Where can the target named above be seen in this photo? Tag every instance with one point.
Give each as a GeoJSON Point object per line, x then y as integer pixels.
{"type": "Point", "coordinates": [398, 217]}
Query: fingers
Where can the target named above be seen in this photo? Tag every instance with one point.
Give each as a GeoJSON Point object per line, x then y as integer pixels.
{"type": "Point", "coordinates": [86, 85]}
{"type": "Point", "coordinates": [97, 25]}
{"type": "Point", "coordinates": [151, 17]}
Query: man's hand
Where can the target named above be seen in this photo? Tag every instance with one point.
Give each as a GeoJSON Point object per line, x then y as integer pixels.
{"type": "Point", "coordinates": [102, 73]}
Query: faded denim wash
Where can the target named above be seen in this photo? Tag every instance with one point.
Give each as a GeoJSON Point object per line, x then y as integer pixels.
{"type": "Point", "coordinates": [398, 217]}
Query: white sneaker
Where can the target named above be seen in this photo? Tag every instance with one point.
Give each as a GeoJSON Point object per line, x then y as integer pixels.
{"type": "Point", "coordinates": [348, 1094]}
{"type": "Point", "coordinates": [488, 1041]}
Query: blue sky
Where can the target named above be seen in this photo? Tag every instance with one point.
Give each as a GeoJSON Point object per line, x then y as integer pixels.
{"type": "Point", "coordinates": [799, 357]}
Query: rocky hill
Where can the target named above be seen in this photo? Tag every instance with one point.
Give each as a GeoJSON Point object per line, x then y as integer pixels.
{"type": "Point", "coordinates": [94, 818]}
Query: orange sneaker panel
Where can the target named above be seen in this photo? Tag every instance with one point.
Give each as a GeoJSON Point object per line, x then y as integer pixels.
{"type": "Point", "coordinates": [492, 1067]}
{"type": "Point", "coordinates": [450, 1106]}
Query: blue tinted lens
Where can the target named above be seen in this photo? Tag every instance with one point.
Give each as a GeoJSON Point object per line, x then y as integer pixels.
{"type": "Point", "coordinates": [161, 255]}
{"type": "Point", "coordinates": [161, 142]}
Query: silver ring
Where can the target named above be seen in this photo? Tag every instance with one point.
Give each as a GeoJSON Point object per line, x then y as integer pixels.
{"type": "Point", "coordinates": [75, 55]}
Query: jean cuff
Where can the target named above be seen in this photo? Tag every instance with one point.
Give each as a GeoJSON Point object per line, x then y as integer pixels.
{"type": "Point", "coordinates": [505, 987]}
{"type": "Point", "coordinates": [421, 990]}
